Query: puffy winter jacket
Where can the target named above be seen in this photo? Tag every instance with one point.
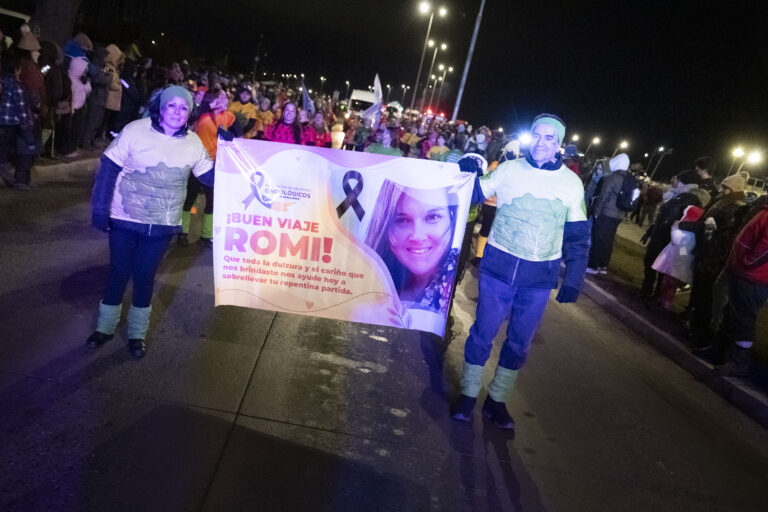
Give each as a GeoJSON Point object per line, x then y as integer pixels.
{"type": "Point", "coordinates": [605, 204]}
{"type": "Point", "coordinates": [749, 258]}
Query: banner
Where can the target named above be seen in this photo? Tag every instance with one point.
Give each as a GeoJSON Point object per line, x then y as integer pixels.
{"type": "Point", "coordinates": [338, 234]}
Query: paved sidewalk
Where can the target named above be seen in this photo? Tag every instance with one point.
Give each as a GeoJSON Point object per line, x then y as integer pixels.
{"type": "Point", "coordinates": [616, 293]}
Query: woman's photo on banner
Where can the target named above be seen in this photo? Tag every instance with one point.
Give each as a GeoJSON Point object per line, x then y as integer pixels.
{"type": "Point", "coordinates": [412, 230]}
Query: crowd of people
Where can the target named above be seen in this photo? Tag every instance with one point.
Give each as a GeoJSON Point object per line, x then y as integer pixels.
{"type": "Point", "coordinates": [702, 234]}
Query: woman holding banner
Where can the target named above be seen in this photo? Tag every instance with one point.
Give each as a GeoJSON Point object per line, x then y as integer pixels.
{"type": "Point", "coordinates": [137, 198]}
{"type": "Point", "coordinates": [412, 231]}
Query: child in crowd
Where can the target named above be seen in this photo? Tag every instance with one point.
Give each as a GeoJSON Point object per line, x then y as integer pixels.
{"type": "Point", "coordinates": [675, 262]}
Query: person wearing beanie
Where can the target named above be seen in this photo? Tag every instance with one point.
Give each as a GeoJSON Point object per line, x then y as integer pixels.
{"type": "Point", "coordinates": [606, 215]}
{"type": "Point", "coordinates": [675, 261]}
{"type": "Point", "coordinates": [137, 199]}
{"type": "Point", "coordinates": [715, 232]}
{"type": "Point", "coordinates": [540, 221]}
{"type": "Point", "coordinates": [683, 193]}
{"type": "Point", "coordinates": [30, 76]}
{"type": "Point", "coordinates": [245, 112]}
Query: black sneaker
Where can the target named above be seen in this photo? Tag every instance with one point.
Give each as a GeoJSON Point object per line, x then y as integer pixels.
{"type": "Point", "coordinates": [97, 339]}
{"type": "Point", "coordinates": [137, 348]}
{"type": "Point", "coordinates": [183, 240]}
{"type": "Point", "coordinates": [205, 242]}
{"type": "Point", "coordinates": [498, 414]}
{"type": "Point", "coordinates": [462, 409]}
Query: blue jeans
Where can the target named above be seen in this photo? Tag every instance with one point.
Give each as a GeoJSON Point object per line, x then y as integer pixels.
{"type": "Point", "coordinates": [525, 307]}
{"type": "Point", "coordinates": [133, 254]}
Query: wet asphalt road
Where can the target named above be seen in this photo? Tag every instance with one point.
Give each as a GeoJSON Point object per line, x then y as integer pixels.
{"type": "Point", "coordinates": [236, 409]}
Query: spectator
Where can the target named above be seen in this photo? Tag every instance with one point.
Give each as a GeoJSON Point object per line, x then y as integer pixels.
{"type": "Point", "coordinates": [607, 216]}
{"type": "Point", "coordinates": [386, 143]}
{"type": "Point", "coordinates": [705, 167]}
{"type": "Point", "coordinates": [287, 129]}
{"type": "Point", "coordinates": [100, 78]}
{"type": "Point", "coordinates": [245, 112]}
{"type": "Point", "coordinates": [317, 133]}
{"type": "Point", "coordinates": [684, 192]}
{"type": "Point", "coordinates": [114, 61]}
{"type": "Point", "coordinates": [81, 87]}
{"type": "Point", "coordinates": [17, 135]}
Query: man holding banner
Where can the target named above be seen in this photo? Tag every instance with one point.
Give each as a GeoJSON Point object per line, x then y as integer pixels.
{"type": "Point", "coordinates": [540, 220]}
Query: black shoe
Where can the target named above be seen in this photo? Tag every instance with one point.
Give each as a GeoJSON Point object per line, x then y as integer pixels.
{"type": "Point", "coordinates": [205, 242]}
{"type": "Point", "coordinates": [713, 354]}
{"type": "Point", "coordinates": [97, 339]}
{"type": "Point", "coordinates": [137, 348]}
{"type": "Point", "coordinates": [738, 366]}
{"type": "Point", "coordinates": [183, 240]}
{"type": "Point", "coordinates": [498, 414]}
{"type": "Point", "coordinates": [462, 409]}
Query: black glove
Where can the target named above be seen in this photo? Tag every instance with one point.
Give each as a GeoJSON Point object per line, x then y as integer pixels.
{"type": "Point", "coordinates": [567, 294]}
{"type": "Point", "coordinates": [224, 134]}
{"type": "Point", "coordinates": [100, 221]}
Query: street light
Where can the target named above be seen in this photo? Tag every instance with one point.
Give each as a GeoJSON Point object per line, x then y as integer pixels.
{"type": "Point", "coordinates": [595, 142]}
{"type": "Point", "coordinates": [663, 154]}
{"type": "Point", "coordinates": [655, 151]}
{"type": "Point", "coordinates": [424, 8]}
{"type": "Point", "coordinates": [347, 82]}
{"type": "Point", "coordinates": [575, 137]}
{"type": "Point", "coordinates": [624, 145]}
{"type": "Point", "coordinates": [737, 153]}
{"type": "Point", "coordinates": [405, 91]}
{"type": "Point", "coordinates": [753, 158]}
{"type": "Point", "coordinates": [322, 82]}
{"type": "Point", "coordinates": [443, 47]}
{"type": "Point", "coordinates": [388, 90]}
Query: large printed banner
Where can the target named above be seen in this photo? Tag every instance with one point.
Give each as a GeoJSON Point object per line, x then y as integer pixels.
{"type": "Point", "coordinates": [338, 234]}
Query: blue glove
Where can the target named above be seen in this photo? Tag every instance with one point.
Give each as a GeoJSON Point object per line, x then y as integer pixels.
{"type": "Point", "coordinates": [224, 134]}
{"type": "Point", "coordinates": [567, 294]}
{"type": "Point", "coordinates": [100, 221]}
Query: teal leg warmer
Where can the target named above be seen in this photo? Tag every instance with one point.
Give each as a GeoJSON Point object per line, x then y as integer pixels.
{"type": "Point", "coordinates": [471, 380]}
{"type": "Point", "coordinates": [109, 317]}
{"type": "Point", "coordinates": [138, 322]}
{"type": "Point", "coordinates": [206, 227]}
{"type": "Point", "coordinates": [502, 384]}
{"type": "Point", "coordinates": [186, 220]}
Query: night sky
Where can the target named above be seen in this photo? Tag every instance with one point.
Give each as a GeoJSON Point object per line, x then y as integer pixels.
{"type": "Point", "coordinates": [688, 75]}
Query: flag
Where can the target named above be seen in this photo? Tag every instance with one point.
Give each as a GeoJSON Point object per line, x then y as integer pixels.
{"type": "Point", "coordinates": [306, 102]}
{"type": "Point", "coordinates": [374, 111]}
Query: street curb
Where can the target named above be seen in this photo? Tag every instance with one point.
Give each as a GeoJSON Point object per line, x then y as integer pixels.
{"type": "Point", "coordinates": [64, 169]}
{"type": "Point", "coordinates": [753, 402]}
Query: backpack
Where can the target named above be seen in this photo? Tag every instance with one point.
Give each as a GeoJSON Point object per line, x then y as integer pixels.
{"type": "Point", "coordinates": [629, 195]}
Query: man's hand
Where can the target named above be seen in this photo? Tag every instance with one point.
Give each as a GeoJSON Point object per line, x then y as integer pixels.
{"type": "Point", "coordinates": [224, 134]}
{"type": "Point", "coordinates": [567, 294]}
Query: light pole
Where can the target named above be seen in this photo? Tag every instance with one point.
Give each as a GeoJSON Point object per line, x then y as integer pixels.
{"type": "Point", "coordinates": [389, 87]}
{"type": "Point", "coordinates": [322, 83]}
{"type": "Point", "coordinates": [434, 88]}
{"type": "Point", "coordinates": [441, 46]}
{"type": "Point", "coordinates": [753, 158]}
{"type": "Point", "coordinates": [624, 145]}
{"type": "Point", "coordinates": [478, 19]}
{"type": "Point", "coordinates": [447, 70]}
{"type": "Point", "coordinates": [658, 163]}
{"type": "Point", "coordinates": [424, 8]}
{"type": "Point", "coordinates": [737, 153]}
{"type": "Point", "coordinates": [595, 142]}
{"type": "Point", "coordinates": [347, 82]}
{"type": "Point", "coordinates": [659, 150]}
{"type": "Point", "coordinates": [405, 91]}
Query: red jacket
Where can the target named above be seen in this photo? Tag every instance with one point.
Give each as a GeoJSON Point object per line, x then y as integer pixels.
{"type": "Point", "coordinates": [749, 257]}
{"type": "Point", "coordinates": [312, 138]}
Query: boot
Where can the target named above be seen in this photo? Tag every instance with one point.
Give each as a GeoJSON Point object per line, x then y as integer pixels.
{"type": "Point", "coordinates": [481, 242]}
{"type": "Point", "coordinates": [738, 366]}
{"type": "Point", "coordinates": [109, 317]}
{"type": "Point", "coordinates": [471, 381]}
{"type": "Point", "coordinates": [138, 324]}
{"type": "Point", "coordinates": [186, 220]}
{"type": "Point", "coordinates": [498, 393]}
{"type": "Point", "coordinates": [206, 231]}
{"type": "Point", "coordinates": [717, 352]}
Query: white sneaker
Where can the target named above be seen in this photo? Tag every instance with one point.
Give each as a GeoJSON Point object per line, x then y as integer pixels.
{"type": "Point", "coordinates": [592, 271]}
{"type": "Point", "coordinates": [602, 270]}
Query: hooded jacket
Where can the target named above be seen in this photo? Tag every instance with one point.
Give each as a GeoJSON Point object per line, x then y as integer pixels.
{"type": "Point", "coordinates": [80, 90]}
{"type": "Point", "coordinates": [115, 90]}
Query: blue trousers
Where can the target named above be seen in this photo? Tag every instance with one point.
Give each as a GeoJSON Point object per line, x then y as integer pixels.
{"type": "Point", "coordinates": [525, 307]}
{"type": "Point", "coordinates": [133, 255]}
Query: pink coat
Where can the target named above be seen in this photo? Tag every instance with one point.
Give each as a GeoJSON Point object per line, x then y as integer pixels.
{"type": "Point", "coordinates": [80, 90]}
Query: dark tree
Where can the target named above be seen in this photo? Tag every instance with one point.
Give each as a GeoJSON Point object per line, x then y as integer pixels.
{"type": "Point", "coordinates": [55, 18]}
